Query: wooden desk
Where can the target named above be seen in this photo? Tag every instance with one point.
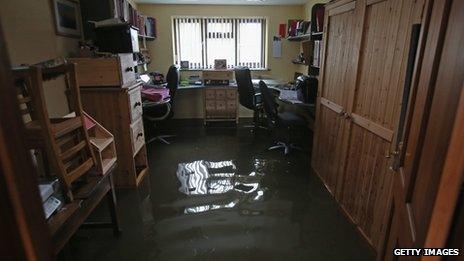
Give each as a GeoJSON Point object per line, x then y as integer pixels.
{"type": "Point", "coordinates": [64, 224]}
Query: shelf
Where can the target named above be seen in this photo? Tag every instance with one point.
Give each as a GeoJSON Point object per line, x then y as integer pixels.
{"type": "Point", "coordinates": [299, 38]}
{"type": "Point", "coordinates": [108, 163]}
{"type": "Point", "coordinates": [306, 37]}
{"type": "Point", "coordinates": [300, 63]}
{"type": "Point", "coordinates": [142, 64]}
{"type": "Point", "coordinates": [101, 143]}
{"type": "Point", "coordinates": [58, 219]}
{"type": "Point", "coordinates": [316, 35]}
{"type": "Point", "coordinates": [148, 38]}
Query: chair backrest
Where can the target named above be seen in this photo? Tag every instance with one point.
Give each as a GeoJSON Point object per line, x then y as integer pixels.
{"type": "Point", "coordinates": [173, 80]}
{"type": "Point", "coordinates": [307, 86]}
{"type": "Point", "coordinates": [246, 90]}
{"type": "Point", "coordinates": [65, 140]}
{"type": "Point", "coordinates": [270, 106]}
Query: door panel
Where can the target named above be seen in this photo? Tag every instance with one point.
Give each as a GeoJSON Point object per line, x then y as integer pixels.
{"type": "Point", "coordinates": [374, 115]}
{"type": "Point", "coordinates": [428, 127]}
{"type": "Point", "coordinates": [363, 76]}
{"type": "Point", "coordinates": [329, 149]}
{"type": "Point", "coordinates": [338, 49]}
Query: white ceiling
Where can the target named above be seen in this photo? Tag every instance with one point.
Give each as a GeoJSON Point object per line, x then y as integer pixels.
{"type": "Point", "coordinates": [225, 2]}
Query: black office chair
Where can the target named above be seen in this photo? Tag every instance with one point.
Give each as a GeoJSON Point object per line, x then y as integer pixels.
{"type": "Point", "coordinates": [277, 121]}
{"type": "Point", "coordinates": [173, 80]}
{"type": "Point", "coordinates": [249, 96]}
{"type": "Point", "coordinates": [158, 111]}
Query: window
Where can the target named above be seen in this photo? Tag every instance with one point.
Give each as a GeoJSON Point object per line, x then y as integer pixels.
{"type": "Point", "coordinates": [200, 41]}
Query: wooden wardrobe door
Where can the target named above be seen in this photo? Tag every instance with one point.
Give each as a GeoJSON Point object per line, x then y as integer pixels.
{"type": "Point", "coordinates": [331, 126]}
{"type": "Point", "coordinates": [374, 113]}
{"type": "Point", "coordinates": [432, 116]}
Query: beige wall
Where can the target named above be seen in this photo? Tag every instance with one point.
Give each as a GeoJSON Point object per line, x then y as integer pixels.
{"type": "Point", "coordinates": [30, 38]}
{"type": "Point", "coordinates": [161, 49]}
{"type": "Point", "coordinates": [189, 103]}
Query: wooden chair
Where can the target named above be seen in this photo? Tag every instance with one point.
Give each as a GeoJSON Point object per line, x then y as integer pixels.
{"type": "Point", "coordinates": [67, 146]}
{"type": "Point", "coordinates": [65, 140]}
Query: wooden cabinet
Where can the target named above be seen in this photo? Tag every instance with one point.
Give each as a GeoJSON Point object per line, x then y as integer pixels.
{"type": "Point", "coordinates": [221, 104]}
{"type": "Point", "coordinates": [365, 57]}
{"type": "Point", "coordinates": [119, 111]}
{"type": "Point", "coordinates": [114, 71]}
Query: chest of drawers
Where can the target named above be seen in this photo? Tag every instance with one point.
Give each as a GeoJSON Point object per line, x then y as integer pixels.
{"type": "Point", "coordinates": [221, 104]}
{"type": "Point", "coordinates": [110, 72]}
{"type": "Point", "coordinates": [120, 111]}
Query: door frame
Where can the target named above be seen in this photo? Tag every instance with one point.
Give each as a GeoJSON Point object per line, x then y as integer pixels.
{"type": "Point", "coordinates": [450, 185]}
{"type": "Point", "coordinates": [25, 234]}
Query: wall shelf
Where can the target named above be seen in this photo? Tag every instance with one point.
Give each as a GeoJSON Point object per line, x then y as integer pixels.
{"type": "Point", "coordinates": [148, 38]}
{"type": "Point", "coordinates": [300, 63]}
{"type": "Point", "coordinates": [299, 38]}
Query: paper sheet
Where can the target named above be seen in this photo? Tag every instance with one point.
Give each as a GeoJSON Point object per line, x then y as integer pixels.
{"type": "Point", "coordinates": [277, 47]}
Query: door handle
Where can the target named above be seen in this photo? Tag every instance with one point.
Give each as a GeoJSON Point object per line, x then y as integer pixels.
{"type": "Point", "coordinates": [392, 153]}
{"type": "Point", "coordinates": [344, 114]}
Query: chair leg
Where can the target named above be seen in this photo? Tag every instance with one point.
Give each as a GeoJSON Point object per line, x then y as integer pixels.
{"type": "Point", "coordinates": [286, 145]}
{"type": "Point", "coordinates": [161, 138]}
{"type": "Point", "coordinates": [253, 126]}
{"type": "Point", "coordinates": [279, 145]}
{"type": "Point", "coordinates": [256, 122]}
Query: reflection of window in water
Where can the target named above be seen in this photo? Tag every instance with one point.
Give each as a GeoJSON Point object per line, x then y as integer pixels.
{"type": "Point", "coordinates": [203, 177]}
{"type": "Point", "coordinates": [204, 208]}
{"type": "Point", "coordinates": [212, 178]}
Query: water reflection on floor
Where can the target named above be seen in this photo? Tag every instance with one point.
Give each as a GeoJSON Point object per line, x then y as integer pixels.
{"type": "Point", "coordinates": [201, 178]}
{"type": "Point", "coordinates": [219, 195]}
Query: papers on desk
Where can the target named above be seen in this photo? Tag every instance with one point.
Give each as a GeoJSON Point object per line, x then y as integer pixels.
{"type": "Point", "coordinates": [290, 96]}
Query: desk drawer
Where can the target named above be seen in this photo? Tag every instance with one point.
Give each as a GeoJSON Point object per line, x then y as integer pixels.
{"type": "Point", "coordinates": [231, 105]}
{"type": "Point", "coordinates": [138, 136]}
{"type": "Point", "coordinates": [231, 94]}
{"type": "Point", "coordinates": [135, 103]}
{"type": "Point", "coordinates": [210, 105]}
{"type": "Point", "coordinates": [220, 94]}
{"type": "Point", "coordinates": [220, 106]}
{"type": "Point", "coordinates": [126, 61]}
{"type": "Point", "coordinates": [210, 94]}
{"type": "Point", "coordinates": [111, 72]}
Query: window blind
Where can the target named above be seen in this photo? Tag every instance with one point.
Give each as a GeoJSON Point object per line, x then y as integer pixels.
{"type": "Point", "coordinates": [200, 41]}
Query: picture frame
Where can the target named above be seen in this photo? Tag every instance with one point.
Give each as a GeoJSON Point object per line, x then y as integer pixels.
{"type": "Point", "coordinates": [220, 64]}
{"type": "Point", "coordinates": [67, 18]}
{"type": "Point", "coordinates": [184, 65]}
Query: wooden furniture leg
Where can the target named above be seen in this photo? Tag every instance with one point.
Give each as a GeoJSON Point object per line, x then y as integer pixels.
{"type": "Point", "coordinates": [112, 205]}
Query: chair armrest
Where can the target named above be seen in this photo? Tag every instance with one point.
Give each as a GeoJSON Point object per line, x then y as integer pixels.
{"type": "Point", "coordinates": [257, 99]}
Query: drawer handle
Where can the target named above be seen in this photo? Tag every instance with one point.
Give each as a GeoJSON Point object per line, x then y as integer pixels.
{"type": "Point", "coordinates": [137, 104]}
{"type": "Point", "coordinates": [129, 69]}
{"type": "Point", "coordinates": [139, 135]}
